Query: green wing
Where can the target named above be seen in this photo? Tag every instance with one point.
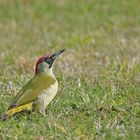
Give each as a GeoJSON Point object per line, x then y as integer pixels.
{"type": "Point", "coordinates": [32, 90]}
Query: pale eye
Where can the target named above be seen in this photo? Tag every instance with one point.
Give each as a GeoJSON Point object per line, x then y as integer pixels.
{"type": "Point", "coordinates": [48, 60]}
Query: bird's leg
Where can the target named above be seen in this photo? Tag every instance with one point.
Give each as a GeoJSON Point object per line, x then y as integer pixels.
{"type": "Point", "coordinates": [41, 108]}
{"type": "Point", "coordinates": [42, 111]}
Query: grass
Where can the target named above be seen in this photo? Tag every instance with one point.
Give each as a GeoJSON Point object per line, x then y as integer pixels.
{"type": "Point", "coordinates": [99, 74]}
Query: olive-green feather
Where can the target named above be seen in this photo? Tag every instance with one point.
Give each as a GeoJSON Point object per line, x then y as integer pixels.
{"type": "Point", "coordinates": [32, 89]}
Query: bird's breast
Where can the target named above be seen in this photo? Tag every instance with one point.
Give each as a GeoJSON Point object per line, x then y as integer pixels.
{"type": "Point", "coordinates": [48, 94]}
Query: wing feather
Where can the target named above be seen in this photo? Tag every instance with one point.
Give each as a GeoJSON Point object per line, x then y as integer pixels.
{"type": "Point", "coordinates": [32, 90]}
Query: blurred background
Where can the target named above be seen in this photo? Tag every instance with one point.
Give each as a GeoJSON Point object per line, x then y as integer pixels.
{"type": "Point", "coordinates": [102, 42]}
{"type": "Point", "coordinates": [93, 32]}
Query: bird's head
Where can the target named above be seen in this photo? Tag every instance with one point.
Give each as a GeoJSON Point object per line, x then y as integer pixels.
{"type": "Point", "coordinates": [45, 63]}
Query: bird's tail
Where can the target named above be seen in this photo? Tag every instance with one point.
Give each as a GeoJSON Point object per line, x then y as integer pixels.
{"type": "Point", "coordinates": [12, 111]}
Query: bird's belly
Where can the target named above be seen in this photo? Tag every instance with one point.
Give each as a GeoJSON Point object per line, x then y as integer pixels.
{"type": "Point", "coordinates": [47, 95]}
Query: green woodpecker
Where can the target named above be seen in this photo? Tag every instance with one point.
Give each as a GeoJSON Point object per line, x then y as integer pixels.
{"type": "Point", "coordinates": [39, 91]}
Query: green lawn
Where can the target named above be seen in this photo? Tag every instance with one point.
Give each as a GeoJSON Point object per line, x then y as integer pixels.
{"type": "Point", "coordinates": [99, 74]}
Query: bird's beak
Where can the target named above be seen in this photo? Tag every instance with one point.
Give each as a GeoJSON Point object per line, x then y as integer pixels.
{"type": "Point", "coordinates": [54, 56]}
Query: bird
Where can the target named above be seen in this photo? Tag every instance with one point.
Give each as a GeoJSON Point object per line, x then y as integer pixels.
{"type": "Point", "coordinates": [39, 91]}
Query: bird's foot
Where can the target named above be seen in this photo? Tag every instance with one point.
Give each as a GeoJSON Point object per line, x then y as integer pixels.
{"type": "Point", "coordinates": [42, 112]}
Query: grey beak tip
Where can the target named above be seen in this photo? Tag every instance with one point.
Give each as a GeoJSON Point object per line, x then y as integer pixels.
{"type": "Point", "coordinates": [62, 50]}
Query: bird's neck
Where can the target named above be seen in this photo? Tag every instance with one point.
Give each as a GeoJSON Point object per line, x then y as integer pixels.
{"type": "Point", "coordinates": [50, 73]}
{"type": "Point", "coordinates": [43, 68]}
